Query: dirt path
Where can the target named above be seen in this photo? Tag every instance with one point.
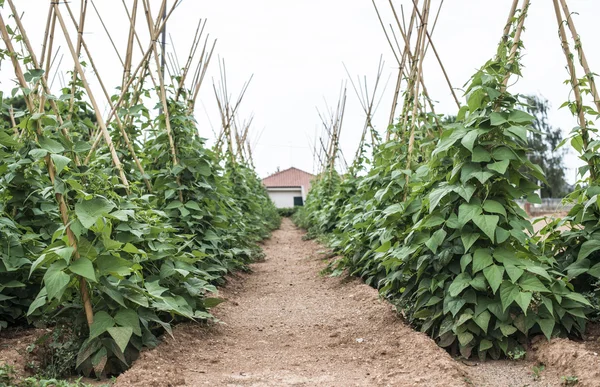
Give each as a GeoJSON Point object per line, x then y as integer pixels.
{"type": "Point", "coordinates": [286, 325]}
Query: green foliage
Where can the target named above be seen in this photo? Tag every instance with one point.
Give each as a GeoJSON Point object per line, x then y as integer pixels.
{"type": "Point", "coordinates": [147, 259]}
{"type": "Point", "coordinates": [444, 238]}
{"type": "Point", "coordinates": [8, 378]}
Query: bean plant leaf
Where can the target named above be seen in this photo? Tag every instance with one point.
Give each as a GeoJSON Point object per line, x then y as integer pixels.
{"type": "Point", "coordinates": [481, 259]}
{"type": "Point", "coordinates": [102, 321]}
{"type": "Point", "coordinates": [493, 274]}
{"type": "Point", "coordinates": [121, 336]}
{"type": "Point", "coordinates": [84, 268]}
{"type": "Point", "coordinates": [487, 224]}
{"type": "Point", "coordinates": [547, 326]}
{"type": "Point", "coordinates": [89, 211]}
{"type": "Point", "coordinates": [494, 207]}
{"type": "Point", "coordinates": [468, 239]}
{"type": "Point", "coordinates": [588, 248]}
{"type": "Point", "coordinates": [56, 280]}
{"type": "Point", "coordinates": [523, 299]}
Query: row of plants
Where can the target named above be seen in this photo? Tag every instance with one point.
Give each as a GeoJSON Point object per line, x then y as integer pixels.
{"type": "Point", "coordinates": [116, 252]}
{"type": "Point", "coordinates": [442, 236]}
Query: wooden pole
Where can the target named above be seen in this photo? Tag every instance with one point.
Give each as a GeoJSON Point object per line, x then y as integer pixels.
{"type": "Point", "coordinates": [101, 123]}
{"type": "Point", "coordinates": [62, 205]}
{"type": "Point", "coordinates": [582, 58]}
{"type": "Point", "coordinates": [574, 84]}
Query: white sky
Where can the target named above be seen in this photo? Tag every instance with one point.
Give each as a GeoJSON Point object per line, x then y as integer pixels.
{"type": "Point", "coordinates": [295, 50]}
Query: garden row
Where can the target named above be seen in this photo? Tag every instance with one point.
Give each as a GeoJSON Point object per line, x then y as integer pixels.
{"type": "Point", "coordinates": [441, 235]}
{"type": "Point", "coordinates": [110, 232]}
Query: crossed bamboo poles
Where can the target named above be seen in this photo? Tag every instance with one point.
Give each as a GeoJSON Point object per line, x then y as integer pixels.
{"type": "Point", "coordinates": [36, 100]}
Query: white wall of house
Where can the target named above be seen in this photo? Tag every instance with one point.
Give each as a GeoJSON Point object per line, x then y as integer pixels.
{"type": "Point", "coordinates": [284, 197]}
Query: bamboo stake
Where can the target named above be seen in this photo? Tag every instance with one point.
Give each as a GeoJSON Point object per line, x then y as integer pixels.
{"type": "Point", "coordinates": [109, 100]}
{"type": "Point", "coordinates": [132, 20]}
{"type": "Point", "coordinates": [46, 32]}
{"type": "Point", "coordinates": [516, 42]}
{"type": "Point", "coordinates": [143, 64]}
{"type": "Point", "coordinates": [99, 118]}
{"type": "Point", "coordinates": [163, 94]}
{"type": "Point", "coordinates": [44, 77]}
{"type": "Point", "coordinates": [82, 14]}
{"type": "Point", "coordinates": [574, 84]}
{"type": "Point", "coordinates": [13, 122]}
{"type": "Point", "coordinates": [62, 205]}
{"type": "Point", "coordinates": [419, 71]}
{"type": "Point", "coordinates": [438, 58]}
{"type": "Point", "coordinates": [582, 59]}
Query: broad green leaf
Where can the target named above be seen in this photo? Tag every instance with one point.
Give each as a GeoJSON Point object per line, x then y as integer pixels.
{"type": "Point", "coordinates": [51, 145]}
{"type": "Point", "coordinates": [466, 191]}
{"type": "Point", "coordinates": [508, 294]}
{"type": "Point", "coordinates": [102, 321]}
{"type": "Point", "coordinates": [578, 298]}
{"type": "Point", "coordinates": [464, 261]}
{"type": "Point", "coordinates": [497, 119]}
{"type": "Point", "coordinates": [595, 270]}
{"type": "Point", "coordinates": [83, 267]}
{"type": "Point", "coordinates": [507, 329]}
{"type": "Point", "coordinates": [588, 248]}
{"type": "Point", "coordinates": [520, 117]}
{"type": "Point", "coordinates": [494, 207]}
{"type": "Point", "coordinates": [499, 166]}
{"type": "Point", "coordinates": [39, 301]}
{"type": "Point", "coordinates": [468, 239]}
{"type": "Point", "coordinates": [60, 162]}
{"type": "Point", "coordinates": [38, 153]}
{"type": "Point", "coordinates": [89, 211]}
{"type": "Point", "coordinates": [501, 235]}
{"type": "Point", "coordinates": [481, 259]}
{"type": "Point", "coordinates": [129, 318]}
{"type": "Point", "coordinates": [531, 283]}
{"type": "Point", "coordinates": [485, 345]}
{"type": "Point", "coordinates": [503, 153]}
{"type": "Point", "coordinates": [56, 280]}
{"type": "Point", "coordinates": [459, 284]}
{"type": "Point", "coordinates": [465, 338]}
{"type": "Point", "coordinates": [129, 248]}
{"type": "Point", "coordinates": [467, 212]}
{"type": "Point", "coordinates": [436, 240]}
{"type": "Point", "coordinates": [487, 224]}
{"type": "Point", "coordinates": [514, 273]}
{"type": "Point", "coordinates": [113, 265]}
{"type": "Point", "coordinates": [121, 336]}
{"type": "Point", "coordinates": [523, 299]}
{"type": "Point", "coordinates": [436, 196]}
{"type": "Point", "coordinates": [483, 320]}
{"type": "Point", "coordinates": [493, 274]}
{"type": "Point", "coordinates": [518, 131]}
{"type": "Point", "coordinates": [480, 175]}
{"type": "Point", "coordinates": [547, 326]}
{"type": "Point", "coordinates": [480, 155]}
{"type": "Point", "coordinates": [7, 140]}
{"type": "Point", "coordinates": [539, 271]}
{"type": "Point", "coordinates": [469, 139]}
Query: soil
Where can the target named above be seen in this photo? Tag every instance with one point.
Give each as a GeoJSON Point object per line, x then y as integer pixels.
{"type": "Point", "coordinates": [285, 324]}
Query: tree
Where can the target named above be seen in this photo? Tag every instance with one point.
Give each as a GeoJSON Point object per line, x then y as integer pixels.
{"type": "Point", "coordinates": [543, 143]}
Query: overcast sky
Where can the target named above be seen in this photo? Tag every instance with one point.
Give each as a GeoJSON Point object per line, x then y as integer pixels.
{"type": "Point", "coordinates": [295, 49]}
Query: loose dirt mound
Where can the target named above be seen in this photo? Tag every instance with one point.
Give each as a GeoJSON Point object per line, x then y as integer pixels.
{"type": "Point", "coordinates": [570, 359]}
{"type": "Point", "coordinates": [286, 325]}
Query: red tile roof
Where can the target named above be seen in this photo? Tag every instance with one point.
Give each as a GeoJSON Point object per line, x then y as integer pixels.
{"type": "Point", "coordinates": [292, 177]}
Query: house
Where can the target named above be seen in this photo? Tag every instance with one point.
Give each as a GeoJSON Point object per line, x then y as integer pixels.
{"type": "Point", "coordinates": [288, 188]}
